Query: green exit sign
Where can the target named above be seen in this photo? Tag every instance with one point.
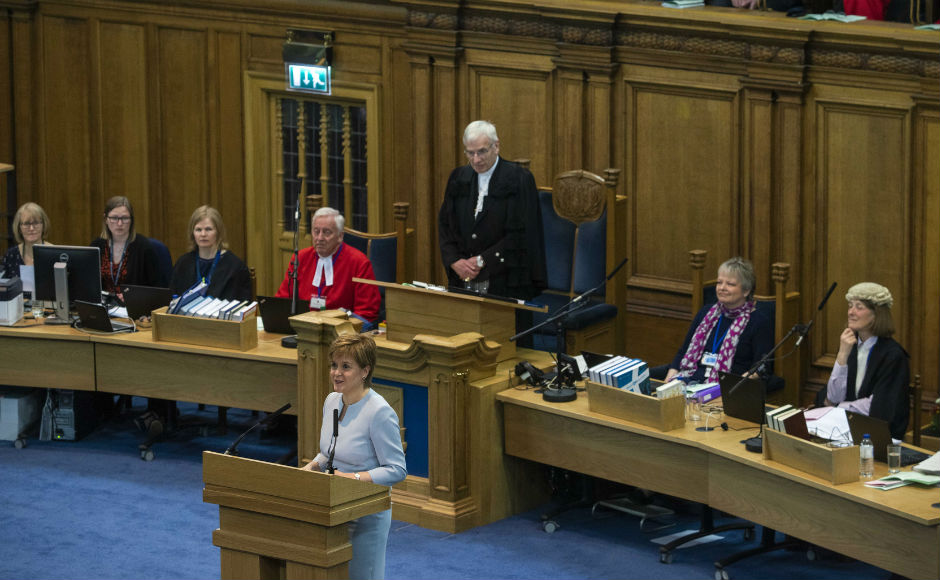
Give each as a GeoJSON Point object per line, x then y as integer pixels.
{"type": "Point", "coordinates": [307, 77]}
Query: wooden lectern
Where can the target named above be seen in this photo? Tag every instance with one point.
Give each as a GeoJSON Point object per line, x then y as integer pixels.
{"type": "Point", "coordinates": [277, 521]}
{"type": "Point", "coordinates": [410, 311]}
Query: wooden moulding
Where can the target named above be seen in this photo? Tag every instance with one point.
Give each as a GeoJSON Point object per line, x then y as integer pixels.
{"type": "Point", "coordinates": [662, 414]}
{"type": "Point", "coordinates": [241, 335]}
{"type": "Point", "coordinates": [836, 464]}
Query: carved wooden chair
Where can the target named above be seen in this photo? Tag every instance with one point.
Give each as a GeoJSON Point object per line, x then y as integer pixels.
{"type": "Point", "coordinates": [584, 222]}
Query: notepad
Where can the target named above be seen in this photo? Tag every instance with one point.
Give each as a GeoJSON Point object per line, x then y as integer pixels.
{"type": "Point", "coordinates": [903, 478]}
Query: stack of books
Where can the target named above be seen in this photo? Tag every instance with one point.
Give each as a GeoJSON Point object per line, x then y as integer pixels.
{"type": "Point", "coordinates": [790, 420]}
{"type": "Point", "coordinates": [624, 373]}
{"type": "Point", "coordinates": [704, 392]}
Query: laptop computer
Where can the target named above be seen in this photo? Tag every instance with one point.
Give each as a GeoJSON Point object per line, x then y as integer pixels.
{"type": "Point", "coordinates": [880, 432]}
{"type": "Point", "coordinates": [742, 401]}
{"type": "Point", "coordinates": [142, 300]}
{"type": "Point", "coordinates": [94, 316]}
{"type": "Point", "coordinates": [275, 313]}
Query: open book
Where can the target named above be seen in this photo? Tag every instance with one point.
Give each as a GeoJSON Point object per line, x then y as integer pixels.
{"type": "Point", "coordinates": [830, 15]}
{"type": "Point", "coordinates": [903, 478]}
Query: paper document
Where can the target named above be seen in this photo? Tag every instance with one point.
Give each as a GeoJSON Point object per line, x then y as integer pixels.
{"type": "Point", "coordinates": [833, 426]}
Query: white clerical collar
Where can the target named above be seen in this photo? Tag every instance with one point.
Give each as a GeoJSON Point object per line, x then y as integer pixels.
{"type": "Point", "coordinates": [486, 175]}
{"type": "Point", "coordinates": [325, 269]}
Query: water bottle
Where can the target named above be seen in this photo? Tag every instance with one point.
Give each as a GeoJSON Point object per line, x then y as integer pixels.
{"type": "Point", "coordinates": [866, 458]}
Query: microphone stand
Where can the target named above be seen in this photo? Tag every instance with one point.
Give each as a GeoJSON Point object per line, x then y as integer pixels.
{"type": "Point", "coordinates": [755, 444]}
{"type": "Point", "coordinates": [566, 376]}
{"type": "Point", "coordinates": [266, 419]}
{"type": "Point", "coordinates": [291, 341]}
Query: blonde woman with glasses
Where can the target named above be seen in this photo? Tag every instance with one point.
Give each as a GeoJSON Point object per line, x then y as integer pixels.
{"type": "Point", "coordinates": [30, 228]}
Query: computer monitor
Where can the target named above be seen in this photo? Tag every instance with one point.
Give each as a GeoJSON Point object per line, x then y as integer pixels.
{"type": "Point", "coordinates": [65, 274]}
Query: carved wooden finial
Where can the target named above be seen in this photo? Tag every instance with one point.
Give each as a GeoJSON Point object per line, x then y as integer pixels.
{"type": "Point", "coordinates": [314, 202]}
{"type": "Point", "coordinates": [697, 259]}
{"type": "Point", "coordinates": [401, 210]}
{"type": "Point", "coordinates": [780, 272]}
{"type": "Point", "coordinates": [611, 177]}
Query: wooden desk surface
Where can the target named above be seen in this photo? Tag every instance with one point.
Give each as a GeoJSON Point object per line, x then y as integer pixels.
{"type": "Point", "coordinates": [269, 347]}
{"type": "Point", "coordinates": [46, 356]}
{"type": "Point", "coordinates": [898, 529]}
{"type": "Point", "coordinates": [58, 356]}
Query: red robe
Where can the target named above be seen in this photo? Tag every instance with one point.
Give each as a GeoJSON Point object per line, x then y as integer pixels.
{"type": "Point", "coordinates": [348, 263]}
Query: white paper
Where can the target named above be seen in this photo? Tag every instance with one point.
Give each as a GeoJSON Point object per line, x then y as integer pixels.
{"type": "Point", "coordinates": [28, 278]}
{"type": "Point", "coordinates": [834, 426]}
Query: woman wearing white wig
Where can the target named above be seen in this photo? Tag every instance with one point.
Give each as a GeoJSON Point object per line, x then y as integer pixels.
{"type": "Point", "coordinates": [872, 370]}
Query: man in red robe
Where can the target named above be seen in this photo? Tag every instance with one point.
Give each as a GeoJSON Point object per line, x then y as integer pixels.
{"type": "Point", "coordinates": [324, 280]}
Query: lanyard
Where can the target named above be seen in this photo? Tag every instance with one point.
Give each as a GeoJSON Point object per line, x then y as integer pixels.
{"type": "Point", "coordinates": [719, 336]}
{"type": "Point", "coordinates": [208, 277]}
{"type": "Point", "coordinates": [115, 276]}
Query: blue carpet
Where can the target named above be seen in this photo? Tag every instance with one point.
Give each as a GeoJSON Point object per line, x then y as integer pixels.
{"type": "Point", "coordinates": [93, 509]}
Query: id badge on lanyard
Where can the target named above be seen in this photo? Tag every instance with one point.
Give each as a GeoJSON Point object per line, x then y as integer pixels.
{"type": "Point", "coordinates": [317, 303]}
{"type": "Point", "coordinates": [710, 359]}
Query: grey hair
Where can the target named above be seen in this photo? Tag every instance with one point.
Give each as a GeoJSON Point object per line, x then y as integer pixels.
{"type": "Point", "coordinates": [330, 212]}
{"type": "Point", "coordinates": [743, 270]}
{"type": "Point", "coordinates": [478, 129]}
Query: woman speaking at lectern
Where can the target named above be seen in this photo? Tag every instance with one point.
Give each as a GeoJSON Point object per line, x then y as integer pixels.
{"type": "Point", "coordinates": [367, 445]}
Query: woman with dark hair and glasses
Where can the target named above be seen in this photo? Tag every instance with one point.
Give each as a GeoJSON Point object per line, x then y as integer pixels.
{"type": "Point", "coordinates": [30, 228]}
{"type": "Point", "coordinates": [126, 256]}
{"type": "Point", "coordinates": [367, 448]}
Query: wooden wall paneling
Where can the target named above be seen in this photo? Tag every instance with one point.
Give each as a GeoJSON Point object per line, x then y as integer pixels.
{"type": "Point", "coordinates": [685, 190]}
{"type": "Point", "coordinates": [121, 101]}
{"type": "Point", "coordinates": [926, 245]}
{"type": "Point", "coordinates": [422, 171]}
{"type": "Point", "coordinates": [228, 133]}
{"type": "Point", "coordinates": [64, 128]}
{"type": "Point", "coordinates": [514, 92]}
{"type": "Point", "coordinates": [447, 142]}
{"type": "Point", "coordinates": [7, 134]}
{"type": "Point", "coordinates": [26, 98]}
{"type": "Point", "coordinates": [598, 119]}
{"type": "Point", "coordinates": [864, 227]}
{"type": "Point", "coordinates": [261, 194]}
{"type": "Point", "coordinates": [756, 181]}
{"type": "Point", "coordinates": [182, 66]}
{"type": "Point", "coordinates": [569, 116]}
{"type": "Point", "coordinates": [787, 182]}
{"type": "Point", "coordinates": [6, 97]}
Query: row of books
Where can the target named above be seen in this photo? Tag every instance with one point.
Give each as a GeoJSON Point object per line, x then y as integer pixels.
{"type": "Point", "coordinates": [209, 307]}
{"type": "Point", "coordinates": [788, 419]}
{"type": "Point", "coordinates": [622, 372]}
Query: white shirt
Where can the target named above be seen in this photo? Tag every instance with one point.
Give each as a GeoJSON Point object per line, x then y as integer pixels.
{"type": "Point", "coordinates": [483, 179]}
{"type": "Point", "coordinates": [837, 387]}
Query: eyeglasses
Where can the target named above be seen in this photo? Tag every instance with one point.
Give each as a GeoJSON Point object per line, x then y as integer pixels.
{"type": "Point", "coordinates": [30, 225]}
{"type": "Point", "coordinates": [119, 219]}
{"type": "Point", "coordinates": [477, 153]}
